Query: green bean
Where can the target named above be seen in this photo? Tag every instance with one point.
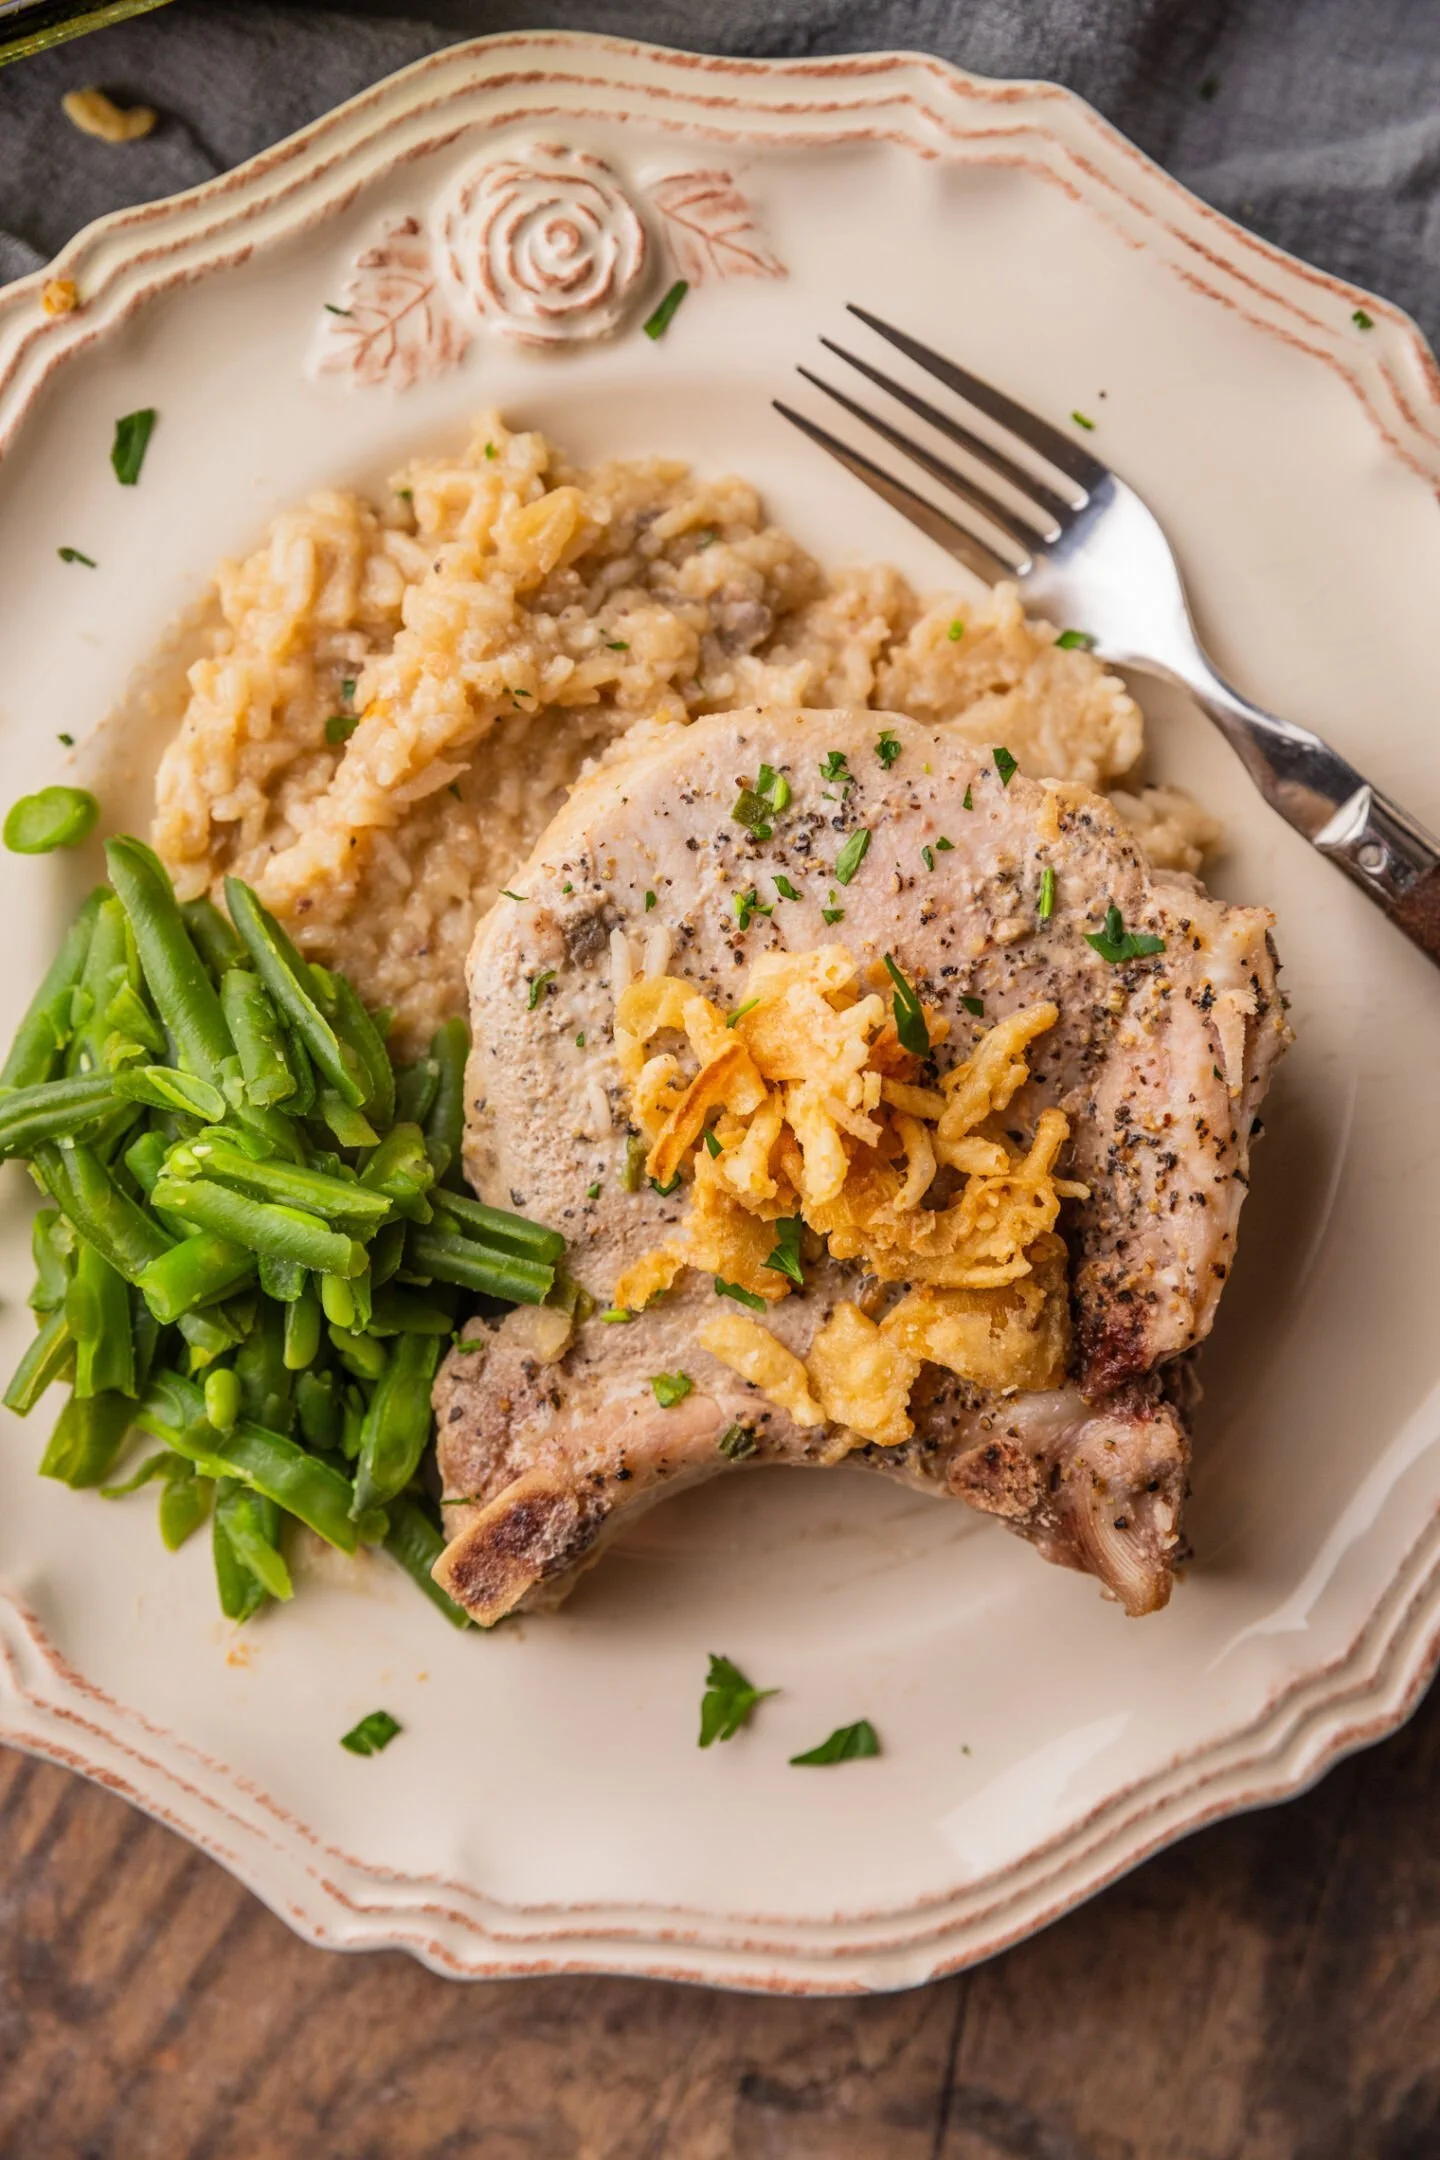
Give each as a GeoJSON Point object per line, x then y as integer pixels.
{"type": "Point", "coordinates": [34, 1055]}
{"type": "Point", "coordinates": [362, 1355]}
{"type": "Point", "coordinates": [48, 1358]}
{"type": "Point", "coordinates": [267, 1387]}
{"type": "Point", "coordinates": [400, 1312]}
{"type": "Point", "coordinates": [445, 1120]}
{"type": "Point", "coordinates": [154, 1466]}
{"type": "Point", "coordinates": [335, 1199]}
{"type": "Point", "coordinates": [506, 1232]}
{"type": "Point", "coordinates": [397, 1422]}
{"type": "Point", "coordinates": [87, 1438]}
{"type": "Point", "coordinates": [289, 980]}
{"type": "Point", "coordinates": [416, 1087]}
{"type": "Point", "coordinates": [351, 1127]}
{"type": "Point", "coordinates": [184, 995]}
{"type": "Point", "coordinates": [402, 1171]}
{"type": "Point", "coordinates": [352, 1422]}
{"type": "Point", "coordinates": [107, 967]}
{"type": "Point", "coordinates": [259, 1039]}
{"type": "Point", "coordinates": [317, 1402]}
{"type": "Point", "coordinates": [282, 1280]}
{"type": "Point", "coordinates": [354, 1025]}
{"type": "Point", "coordinates": [145, 1158]}
{"type": "Point", "coordinates": [207, 1336]}
{"type": "Point", "coordinates": [284, 1233]}
{"type": "Point", "coordinates": [193, 1273]}
{"type": "Point", "coordinates": [58, 817]}
{"type": "Point", "coordinates": [52, 1247]}
{"type": "Point", "coordinates": [337, 1301]}
{"type": "Point", "coordinates": [162, 1087]}
{"type": "Point", "coordinates": [212, 936]}
{"type": "Point", "coordinates": [222, 1398]}
{"type": "Point", "coordinates": [252, 1524]}
{"type": "Point", "coordinates": [172, 1411]}
{"type": "Point", "coordinates": [413, 1540]}
{"type": "Point", "coordinates": [82, 1188]}
{"type": "Point", "coordinates": [241, 1592]}
{"type": "Point", "coordinates": [387, 1250]}
{"type": "Point", "coordinates": [183, 1504]}
{"type": "Point", "coordinates": [302, 1331]}
{"type": "Point", "coordinates": [97, 1309]}
{"type": "Point", "coordinates": [144, 1336]}
{"type": "Point", "coordinates": [54, 1108]}
{"type": "Point", "coordinates": [134, 1025]}
{"type": "Point", "coordinates": [307, 1090]}
{"type": "Point", "coordinates": [438, 1255]}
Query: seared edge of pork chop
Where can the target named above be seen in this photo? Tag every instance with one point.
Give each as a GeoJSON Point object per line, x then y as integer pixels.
{"type": "Point", "coordinates": [1159, 1063]}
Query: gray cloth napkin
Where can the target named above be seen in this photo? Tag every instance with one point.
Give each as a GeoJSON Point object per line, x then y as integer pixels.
{"type": "Point", "coordinates": [1315, 122]}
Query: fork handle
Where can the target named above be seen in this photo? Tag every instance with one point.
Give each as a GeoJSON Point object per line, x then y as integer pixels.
{"type": "Point", "coordinates": [1392, 858]}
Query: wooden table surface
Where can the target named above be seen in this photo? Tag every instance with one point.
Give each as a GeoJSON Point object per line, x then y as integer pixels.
{"type": "Point", "coordinates": [1268, 1990]}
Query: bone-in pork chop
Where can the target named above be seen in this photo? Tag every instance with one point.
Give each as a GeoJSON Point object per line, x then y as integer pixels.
{"type": "Point", "coordinates": [993, 893]}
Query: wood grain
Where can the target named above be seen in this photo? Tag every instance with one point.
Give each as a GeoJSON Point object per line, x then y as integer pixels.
{"type": "Point", "coordinates": [1270, 1990]}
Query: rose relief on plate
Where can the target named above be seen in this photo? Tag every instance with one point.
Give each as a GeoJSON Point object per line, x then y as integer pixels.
{"type": "Point", "coordinates": [547, 246]}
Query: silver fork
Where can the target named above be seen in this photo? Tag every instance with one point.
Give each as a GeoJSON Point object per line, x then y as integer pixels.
{"type": "Point", "coordinates": [1090, 554]}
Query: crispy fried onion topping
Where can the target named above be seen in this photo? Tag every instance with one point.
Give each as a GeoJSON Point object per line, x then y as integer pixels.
{"type": "Point", "coordinates": [801, 1123]}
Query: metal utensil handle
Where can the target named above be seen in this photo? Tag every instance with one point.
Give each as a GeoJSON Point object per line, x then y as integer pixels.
{"type": "Point", "coordinates": [1390, 856]}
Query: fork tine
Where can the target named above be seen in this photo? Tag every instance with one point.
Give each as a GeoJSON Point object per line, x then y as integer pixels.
{"type": "Point", "coordinates": [1015, 529]}
{"type": "Point", "coordinates": [1056, 508]}
{"type": "Point", "coordinates": [965, 546]}
{"type": "Point", "coordinates": [1066, 456]}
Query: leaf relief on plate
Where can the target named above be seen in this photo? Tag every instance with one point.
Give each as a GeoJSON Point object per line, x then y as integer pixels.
{"type": "Point", "coordinates": [391, 323]}
{"type": "Point", "coordinates": [712, 227]}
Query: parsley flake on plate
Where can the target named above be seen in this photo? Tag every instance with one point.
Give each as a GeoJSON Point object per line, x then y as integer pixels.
{"type": "Point", "coordinates": [848, 1743]}
{"type": "Point", "coordinates": [1075, 641]}
{"type": "Point", "coordinates": [712, 1144]}
{"type": "Point", "coordinates": [132, 440]}
{"type": "Point", "coordinates": [69, 554]}
{"type": "Point", "coordinates": [749, 904]}
{"type": "Point", "coordinates": [887, 748]}
{"type": "Point", "coordinates": [1361, 320]}
{"type": "Point", "coordinates": [927, 856]}
{"type": "Point", "coordinates": [832, 914]}
{"type": "Point", "coordinates": [728, 1699]}
{"type": "Point", "coordinates": [1005, 764]}
{"type": "Point", "coordinates": [1081, 420]}
{"type": "Point", "coordinates": [741, 1010]}
{"type": "Point", "coordinates": [1046, 907]}
{"type": "Point", "coordinates": [741, 1296]}
{"type": "Point", "coordinates": [649, 902]}
{"type": "Point", "coordinates": [835, 766]}
{"type": "Point", "coordinates": [969, 802]}
{"type": "Point", "coordinates": [671, 1388]}
{"type": "Point", "coordinates": [974, 1005]}
{"type": "Point", "coordinates": [737, 1442]}
{"type": "Point", "coordinates": [785, 1260]}
{"type": "Point", "coordinates": [537, 987]}
{"type": "Point", "coordinates": [657, 324]}
{"type": "Point", "coordinates": [371, 1734]}
{"type": "Point", "coordinates": [785, 889]}
{"type": "Point", "coordinates": [956, 631]}
{"type": "Point", "coordinates": [666, 1190]}
{"type": "Point", "coordinates": [1117, 944]}
{"type": "Point", "coordinates": [341, 726]}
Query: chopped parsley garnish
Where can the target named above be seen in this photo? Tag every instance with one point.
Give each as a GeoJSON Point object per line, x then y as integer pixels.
{"type": "Point", "coordinates": [671, 1388]}
{"type": "Point", "coordinates": [567, 888]}
{"type": "Point", "coordinates": [616, 1316]}
{"type": "Point", "coordinates": [537, 987]}
{"type": "Point", "coordinates": [657, 324]}
{"type": "Point", "coordinates": [850, 857]}
{"type": "Point", "coordinates": [617, 644]}
{"type": "Point", "coordinates": [469, 1343]}
{"type": "Point", "coordinates": [132, 439]}
{"type": "Point", "coordinates": [506, 894]}
{"type": "Point", "coordinates": [1075, 641]}
{"type": "Point", "coordinates": [649, 902]}
{"type": "Point", "coordinates": [636, 1151]}
{"type": "Point", "coordinates": [974, 1005]}
{"type": "Point", "coordinates": [666, 1190]}
{"type": "Point", "coordinates": [785, 889]}
{"type": "Point", "coordinates": [406, 494]}
{"type": "Point", "coordinates": [491, 451]}
{"type": "Point", "coordinates": [1080, 420]}
{"type": "Point", "coordinates": [580, 1041]}
{"type": "Point", "coordinates": [944, 846]}
{"type": "Point", "coordinates": [927, 856]}
{"type": "Point", "coordinates": [887, 749]}
{"type": "Point", "coordinates": [341, 726]}
{"type": "Point", "coordinates": [74, 555]}
{"type": "Point", "coordinates": [1209, 85]}
{"type": "Point", "coordinates": [785, 1260]}
{"type": "Point", "coordinates": [712, 1145]}
{"type": "Point", "coordinates": [749, 904]}
{"type": "Point", "coordinates": [347, 688]}
{"type": "Point", "coordinates": [969, 802]}
{"type": "Point", "coordinates": [832, 914]}
{"type": "Point", "coordinates": [753, 812]}
{"type": "Point", "coordinates": [1361, 320]}
{"type": "Point", "coordinates": [331, 309]}
{"type": "Point", "coordinates": [774, 785]}
{"type": "Point", "coordinates": [592, 1192]}
{"type": "Point", "coordinates": [736, 1442]}
{"type": "Point", "coordinates": [741, 1297]}
{"type": "Point", "coordinates": [706, 537]}
{"type": "Point", "coordinates": [728, 1698]}
{"type": "Point", "coordinates": [849, 1743]}
{"type": "Point", "coordinates": [68, 740]}
{"type": "Point", "coordinates": [741, 1010]}
{"type": "Point", "coordinates": [835, 766]}
{"type": "Point", "coordinates": [371, 1734]}
{"type": "Point", "coordinates": [909, 1014]}
{"type": "Point", "coordinates": [1117, 944]}
{"type": "Point", "coordinates": [956, 631]}
{"type": "Point", "coordinates": [1047, 894]}
{"type": "Point", "coordinates": [1005, 764]}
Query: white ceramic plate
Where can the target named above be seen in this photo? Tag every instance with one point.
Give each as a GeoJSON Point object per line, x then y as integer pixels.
{"type": "Point", "coordinates": [547, 1807]}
